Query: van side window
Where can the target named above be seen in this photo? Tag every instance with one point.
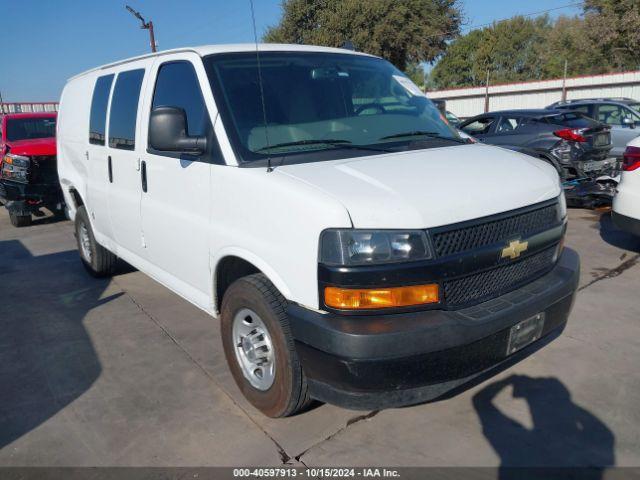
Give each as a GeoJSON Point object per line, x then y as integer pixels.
{"type": "Point", "coordinates": [99, 102]}
{"type": "Point", "coordinates": [177, 86]}
{"type": "Point", "coordinates": [124, 110]}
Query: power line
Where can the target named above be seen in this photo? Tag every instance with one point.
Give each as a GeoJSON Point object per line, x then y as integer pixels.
{"type": "Point", "coordinates": [473, 27]}
{"type": "Point", "coordinates": [527, 14]}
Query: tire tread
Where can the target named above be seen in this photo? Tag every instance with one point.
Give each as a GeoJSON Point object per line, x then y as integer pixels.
{"type": "Point", "coordinates": [300, 397]}
{"type": "Point", "coordinates": [104, 262]}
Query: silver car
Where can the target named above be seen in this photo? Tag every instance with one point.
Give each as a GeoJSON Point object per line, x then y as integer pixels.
{"type": "Point", "coordinates": [623, 114]}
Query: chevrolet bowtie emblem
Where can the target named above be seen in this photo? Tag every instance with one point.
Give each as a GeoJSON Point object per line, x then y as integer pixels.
{"type": "Point", "coordinates": [515, 248]}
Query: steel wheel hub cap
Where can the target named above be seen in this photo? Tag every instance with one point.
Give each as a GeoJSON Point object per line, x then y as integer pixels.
{"type": "Point", "coordinates": [254, 349]}
{"type": "Point", "coordinates": [85, 242]}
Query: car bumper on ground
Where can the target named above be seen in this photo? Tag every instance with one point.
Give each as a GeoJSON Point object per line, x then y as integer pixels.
{"type": "Point", "coordinates": [383, 361]}
{"type": "Point", "coordinates": [628, 224]}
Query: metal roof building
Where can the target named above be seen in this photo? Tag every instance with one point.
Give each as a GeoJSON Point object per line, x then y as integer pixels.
{"type": "Point", "coordinates": [28, 107]}
{"type": "Point", "coordinates": [469, 101]}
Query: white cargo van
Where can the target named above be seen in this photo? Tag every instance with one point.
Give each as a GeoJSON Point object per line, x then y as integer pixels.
{"type": "Point", "coordinates": [354, 247]}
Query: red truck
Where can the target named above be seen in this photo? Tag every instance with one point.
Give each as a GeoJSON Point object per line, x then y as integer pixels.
{"type": "Point", "coordinates": [28, 172]}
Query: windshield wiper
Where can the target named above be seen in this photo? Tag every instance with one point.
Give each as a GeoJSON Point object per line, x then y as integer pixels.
{"type": "Point", "coordinates": [422, 133]}
{"type": "Point", "coordinates": [334, 142]}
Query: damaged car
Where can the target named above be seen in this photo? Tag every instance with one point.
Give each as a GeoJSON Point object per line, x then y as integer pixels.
{"type": "Point", "coordinates": [576, 145]}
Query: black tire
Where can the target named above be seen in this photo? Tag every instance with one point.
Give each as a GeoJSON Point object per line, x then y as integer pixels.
{"type": "Point", "coordinates": [289, 392]}
{"type": "Point", "coordinates": [19, 220]}
{"type": "Point", "coordinates": [101, 262]}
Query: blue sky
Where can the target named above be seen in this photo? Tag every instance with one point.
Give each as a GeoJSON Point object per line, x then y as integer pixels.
{"type": "Point", "coordinates": [46, 42]}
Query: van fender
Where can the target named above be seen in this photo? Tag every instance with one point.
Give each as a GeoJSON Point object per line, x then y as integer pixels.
{"type": "Point", "coordinates": [69, 192]}
{"type": "Point", "coordinates": [253, 259]}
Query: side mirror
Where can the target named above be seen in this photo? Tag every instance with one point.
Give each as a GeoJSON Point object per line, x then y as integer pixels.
{"type": "Point", "coordinates": [168, 132]}
{"type": "Point", "coordinates": [629, 122]}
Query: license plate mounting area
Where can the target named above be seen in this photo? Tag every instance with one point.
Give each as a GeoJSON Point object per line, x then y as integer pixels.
{"type": "Point", "coordinates": [525, 332]}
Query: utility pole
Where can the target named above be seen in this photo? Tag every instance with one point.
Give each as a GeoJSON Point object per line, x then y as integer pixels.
{"type": "Point", "coordinates": [486, 94]}
{"type": "Point", "coordinates": [145, 26]}
{"type": "Point", "coordinates": [564, 82]}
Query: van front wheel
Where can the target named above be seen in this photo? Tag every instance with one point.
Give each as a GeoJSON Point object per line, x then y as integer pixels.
{"type": "Point", "coordinates": [98, 261]}
{"type": "Point", "coordinates": [259, 347]}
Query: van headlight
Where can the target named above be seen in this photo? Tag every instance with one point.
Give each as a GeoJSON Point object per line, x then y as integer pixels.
{"type": "Point", "coordinates": [372, 247]}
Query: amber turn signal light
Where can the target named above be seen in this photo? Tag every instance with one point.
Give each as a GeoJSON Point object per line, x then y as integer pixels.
{"type": "Point", "coordinates": [367, 299]}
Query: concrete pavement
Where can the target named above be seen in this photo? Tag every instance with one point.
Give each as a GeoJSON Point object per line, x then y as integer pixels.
{"type": "Point", "coordinates": [124, 372]}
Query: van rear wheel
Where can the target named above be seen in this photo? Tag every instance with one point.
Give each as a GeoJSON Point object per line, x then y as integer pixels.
{"type": "Point", "coordinates": [259, 347]}
{"type": "Point", "coordinates": [98, 261]}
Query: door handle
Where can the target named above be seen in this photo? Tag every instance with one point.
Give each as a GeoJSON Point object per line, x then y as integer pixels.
{"type": "Point", "coordinates": [110, 169]}
{"type": "Point", "coordinates": [143, 175]}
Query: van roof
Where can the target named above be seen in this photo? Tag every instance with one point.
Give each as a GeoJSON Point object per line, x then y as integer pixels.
{"type": "Point", "coordinates": [205, 50]}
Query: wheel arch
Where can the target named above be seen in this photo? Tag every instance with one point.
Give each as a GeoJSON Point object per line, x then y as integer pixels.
{"type": "Point", "coordinates": [232, 264]}
{"type": "Point", "coordinates": [74, 200]}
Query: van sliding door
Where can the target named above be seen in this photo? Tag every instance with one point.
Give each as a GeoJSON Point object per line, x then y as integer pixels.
{"type": "Point", "coordinates": [123, 151]}
{"type": "Point", "coordinates": [96, 156]}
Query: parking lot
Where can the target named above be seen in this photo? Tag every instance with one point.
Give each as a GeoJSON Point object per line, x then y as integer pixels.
{"type": "Point", "coordinates": [124, 372]}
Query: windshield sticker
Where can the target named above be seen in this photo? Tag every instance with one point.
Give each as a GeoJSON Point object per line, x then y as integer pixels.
{"type": "Point", "coordinates": [409, 86]}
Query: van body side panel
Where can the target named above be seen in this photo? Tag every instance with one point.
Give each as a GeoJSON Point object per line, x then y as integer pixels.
{"type": "Point", "coordinates": [72, 139]}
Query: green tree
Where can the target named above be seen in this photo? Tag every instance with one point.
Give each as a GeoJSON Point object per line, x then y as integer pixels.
{"type": "Point", "coordinates": [416, 73]}
{"type": "Point", "coordinates": [569, 41]}
{"type": "Point", "coordinates": [605, 38]}
{"type": "Point", "coordinates": [457, 68]}
{"type": "Point", "coordinates": [613, 28]}
{"type": "Point", "coordinates": [405, 32]}
{"type": "Point", "coordinates": [512, 50]}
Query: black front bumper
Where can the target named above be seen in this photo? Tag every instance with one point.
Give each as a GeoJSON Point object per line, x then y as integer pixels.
{"type": "Point", "coordinates": [381, 361]}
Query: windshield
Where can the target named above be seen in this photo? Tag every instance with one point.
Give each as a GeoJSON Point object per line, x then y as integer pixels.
{"type": "Point", "coordinates": [321, 102]}
{"type": "Point", "coordinates": [30, 128]}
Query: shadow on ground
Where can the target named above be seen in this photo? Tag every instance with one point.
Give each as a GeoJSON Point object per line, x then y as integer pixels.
{"type": "Point", "coordinates": [563, 433]}
{"type": "Point", "coordinates": [616, 237]}
{"type": "Point", "coordinates": [47, 359]}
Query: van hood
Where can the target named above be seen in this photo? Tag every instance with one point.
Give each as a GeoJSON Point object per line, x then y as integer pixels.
{"type": "Point", "coordinates": [430, 188]}
{"type": "Point", "coordinates": [36, 146]}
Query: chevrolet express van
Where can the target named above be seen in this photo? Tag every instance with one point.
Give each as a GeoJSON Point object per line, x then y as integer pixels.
{"type": "Point", "coordinates": [355, 248]}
